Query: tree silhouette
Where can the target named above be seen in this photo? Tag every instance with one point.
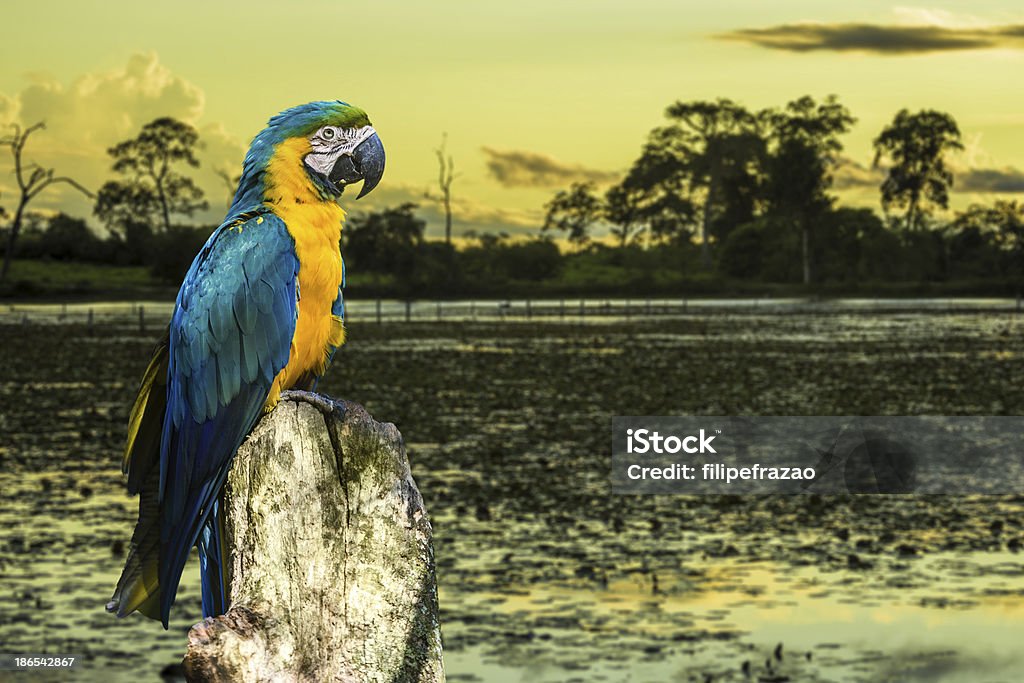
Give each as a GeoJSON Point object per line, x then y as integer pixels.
{"type": "Point", "coordinates": [714, 144]}
{"type": "Point", "coordinates": [804, 149]}
{"type": "Point", "coordinates": [147, 163]}
{"type": "Point", "coordinates": [1003, 223]}
{"type": "Point", "coordinates": [446, 175]}
{"type": "Point", "coordinates": [32, 179]}
{"type": "Point", "coordinates": [385, 241]}
{"type": "Point", "coordinates": [1008, 217]}
{"type": "Point", "coordinates": [625, 210]}
{"type": "Point", "coordinates": [916, 145]}
{"type": "Point", "coordinates": [655, 190]}
{"type": "Point", "coordinates": [573, 211]}
{"type": "Point", "coordinates": [123, 206]}
{"type": "Point", "coordinates": [486, 240]}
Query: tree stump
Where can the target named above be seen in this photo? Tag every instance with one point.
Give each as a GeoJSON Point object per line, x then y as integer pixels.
{"type": "Point", "coordinates": [330, 556]}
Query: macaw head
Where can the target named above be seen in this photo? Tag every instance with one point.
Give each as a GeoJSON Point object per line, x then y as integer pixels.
{"type": "Point", "coordinates": [324, 146]}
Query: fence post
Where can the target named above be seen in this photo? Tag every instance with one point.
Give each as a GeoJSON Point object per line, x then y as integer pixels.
{"type": "Point", "coordinates": [582, 308]}
{"type": "Point", "coordinates": [90, 321]}
{"type": "Point", "coordinates": [378, 312]}
{"type": "Point", "coordinates": [438, 311]}
{"type": "Point", "coordinates": [142, 319]}
{"type": "Point", "coordinates": [529, 310]}
{"type": "Point", "coordinates": [408, 310]}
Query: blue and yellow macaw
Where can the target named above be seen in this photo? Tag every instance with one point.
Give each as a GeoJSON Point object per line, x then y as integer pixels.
{"type": "Point", "coordinates": [260, 311]}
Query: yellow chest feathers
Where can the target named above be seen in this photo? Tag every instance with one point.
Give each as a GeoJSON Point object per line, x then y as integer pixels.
{"type": "Point", "coordinates": [315, 225]}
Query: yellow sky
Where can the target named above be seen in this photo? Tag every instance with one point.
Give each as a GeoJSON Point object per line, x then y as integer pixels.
{"type": "Point", "coordinates": [546, 91]}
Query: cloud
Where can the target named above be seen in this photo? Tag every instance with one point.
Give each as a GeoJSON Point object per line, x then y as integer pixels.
{"type": "Point", "coordinates": [8, 110]}
{"type": "Point", "coordinates": [878, 38]}
{"type": "Point", "coordinates": [851, 174]}
{"type": "Point", "coordinates": [96, 110]}
{"type": "Point", "coordinates": [522, 168]}
{"type": "Point", "coordinates": [993, 180]}
{"type": "Point", "coordinates": [933, 16]}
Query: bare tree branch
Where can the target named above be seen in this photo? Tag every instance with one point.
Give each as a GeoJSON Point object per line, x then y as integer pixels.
{"type": "Point", "coordinates": [70, 181]}
{"type": "Point", "coordinates": [38, 180]}
{"type": "Point", "coordinates": [445, 177]}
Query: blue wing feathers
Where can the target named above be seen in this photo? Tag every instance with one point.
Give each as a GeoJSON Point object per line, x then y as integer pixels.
{"type": "Point", "coordinates": [244, 308]}
{"type": "Point", "coordinates": [230, 335]}
{"type": "Point", "coordinates": [222, 318]}
{"type": "Point", "coordinates": [250, 362]}
{"type": "Point", "coordinates": [209, 379]}
{"type": "Point", "coordinates": [263, 295]}
{"type": "Point", "coordinates": [229, 373]}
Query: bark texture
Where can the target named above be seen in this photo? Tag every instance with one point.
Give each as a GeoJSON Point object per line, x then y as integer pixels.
{"type": "Point", "coordinates": [329, 546]}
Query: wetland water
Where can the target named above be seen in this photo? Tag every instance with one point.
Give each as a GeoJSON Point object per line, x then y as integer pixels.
{"type": "Point", "coordinates": [543, 574]}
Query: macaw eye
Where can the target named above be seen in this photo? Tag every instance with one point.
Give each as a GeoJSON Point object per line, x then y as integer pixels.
{"type": "Point", "coordinates": [327, 133]}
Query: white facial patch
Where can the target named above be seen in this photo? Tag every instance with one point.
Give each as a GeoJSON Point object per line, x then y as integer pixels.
{"type": "Point", "coordinates": [330, 143]}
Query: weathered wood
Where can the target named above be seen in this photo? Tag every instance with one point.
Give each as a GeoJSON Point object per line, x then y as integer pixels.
{"type": "Point", "coordinates": [329, 547]}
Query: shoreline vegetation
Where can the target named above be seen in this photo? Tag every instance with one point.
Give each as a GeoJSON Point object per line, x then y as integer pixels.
{"type": "Point", "coordinates": [722, 202]}
{"type": "Point", "coordinates": [48, 281]}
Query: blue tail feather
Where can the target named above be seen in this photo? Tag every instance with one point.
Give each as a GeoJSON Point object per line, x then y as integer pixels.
{"type": "Point", "coordinates": [212, 569]}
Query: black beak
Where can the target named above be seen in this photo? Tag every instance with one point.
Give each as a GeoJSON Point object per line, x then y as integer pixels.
{"type": "Point", "coordinates": [366, 163]}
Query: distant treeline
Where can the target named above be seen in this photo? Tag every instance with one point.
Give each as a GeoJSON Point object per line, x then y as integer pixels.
{"type": "Point", "coordinates": [754, 190]}
{"type": "Point", "coordinates": [387, 255]}
{"type": "Point", "coordinates": [720, 199]}
{"type": "Point", "coordinates": [167, 252]}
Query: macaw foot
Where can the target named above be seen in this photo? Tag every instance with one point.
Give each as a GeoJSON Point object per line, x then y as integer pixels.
{"type": "Point", "coordinates": [325, 404]}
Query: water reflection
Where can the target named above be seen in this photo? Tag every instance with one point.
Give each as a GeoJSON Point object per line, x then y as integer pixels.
{"type": "Point", "coordinates": [544, 575]}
